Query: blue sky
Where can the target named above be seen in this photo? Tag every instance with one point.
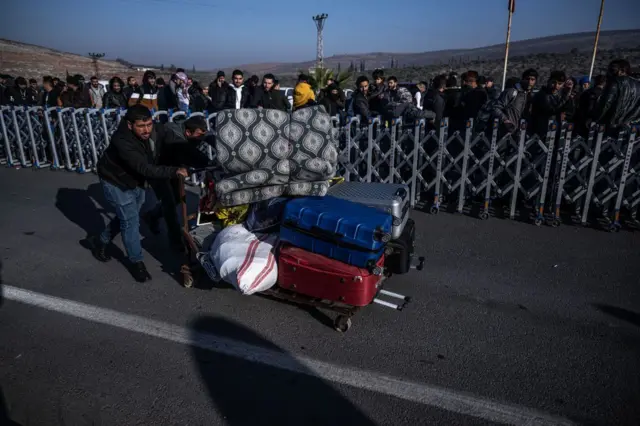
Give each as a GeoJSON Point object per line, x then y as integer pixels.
{"type": "Point", "coordinates": [213, 33]}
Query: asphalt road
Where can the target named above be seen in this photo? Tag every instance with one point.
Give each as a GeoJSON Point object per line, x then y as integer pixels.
{"type": "Point", "coordinates": [509, 322]}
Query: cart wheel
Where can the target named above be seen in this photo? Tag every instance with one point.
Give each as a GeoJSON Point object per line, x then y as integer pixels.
{"type": "Point", "coordinates": [555, 223]}
{"type": "Point", "coordinates": [484, 215]}
{"type": "Point", "coordinates": [538, 221]}
{"type": "Point", "coordinates": [434, 210]}
{"type": "Point", "coordinates": [342, 323]}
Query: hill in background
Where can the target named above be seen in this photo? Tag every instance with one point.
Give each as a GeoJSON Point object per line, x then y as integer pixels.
{"type": "Point", "coordinates": [561, 44]}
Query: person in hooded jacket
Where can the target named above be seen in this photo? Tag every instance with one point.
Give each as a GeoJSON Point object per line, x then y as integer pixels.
{"type": "Point", "coordinates": [115, 97]}
{"type": "Point", "coordinates": [198, 101]}
{"type": "Point", "coordinates": [176, 146]}
{"type": "Point", "coordinates": [303, 95]}
{"type": "Point", "coordinates": [20, 94]}
{"type": "Point", "coordinates": [147, 93]}
{"type": "Point", "coordinates": [332, 101]}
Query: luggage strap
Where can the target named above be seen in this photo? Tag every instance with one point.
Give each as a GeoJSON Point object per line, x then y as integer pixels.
{"type": "Point", "coordinates": [327, 236]}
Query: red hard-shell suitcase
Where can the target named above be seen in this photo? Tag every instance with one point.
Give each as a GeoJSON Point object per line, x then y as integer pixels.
{"type": "Point", "coordinates": [318, 276]}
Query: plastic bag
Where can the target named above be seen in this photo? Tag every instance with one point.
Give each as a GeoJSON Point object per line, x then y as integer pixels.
{"type": "Point", "coordinates": [245, 260]}
{"type": "Point", "coordinates": [232, 215]}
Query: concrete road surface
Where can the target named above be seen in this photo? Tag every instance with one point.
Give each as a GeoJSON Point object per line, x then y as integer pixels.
{"type": "Point", "coordinates": [509, 323]}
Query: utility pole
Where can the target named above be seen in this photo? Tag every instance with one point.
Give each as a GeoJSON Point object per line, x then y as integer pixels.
{"type": "Point", "coordinates": [595, 43]}
{"type": "Point", "coordinates": [94, 58]}
{"type": "Point", "coordinates": [319, 20]}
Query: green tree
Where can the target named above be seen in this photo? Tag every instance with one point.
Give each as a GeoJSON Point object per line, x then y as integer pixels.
{"type": "Point", "coordinates": [320, 76]}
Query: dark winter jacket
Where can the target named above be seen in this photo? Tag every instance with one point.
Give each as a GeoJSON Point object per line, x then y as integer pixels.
{"type": "Point", "coordinates": [128, 162]}
{"type": "Point", "coordinates": [360, 105]}
{"type": "Point", "coordinates": [174, 149]}
{"type": "Point", "coordinates": [218, 96]}
{"type": "Point", "coordinates": [619, 103]}
{"type": "Point", "coordinates": [113, 99]}
{"type": "Point", "coordinates": [230, 101]}
{"type": "Point", "coordinates": [273, 99]}
{"type": "Point", "coordinates": [509, 107]}
{"type": "Point", "coordinates": [472, 101]}
{"type": "Point", "coordinates": [434, 100]}
{"type": "Point", "coordinates": [170, 97]}
{"type": "Point", "coordinates": [586, 107]}
{"type": "Point", "coordinates": [198, 102]}
{"type": "Point", "coordinates": [50, 99]}
{"type": "Point", "coordinates": [20, 97]}
{"type": "Point", "coordinates": [70, 98]}
{"type": "Point", "coordinates": [546, 106]}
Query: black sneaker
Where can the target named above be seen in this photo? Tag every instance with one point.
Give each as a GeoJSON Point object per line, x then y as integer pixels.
{"type": "Point", "coordinates": [153, 222]}
{"type": "Point", "coordinates": [139, 272]}
{"type": "Point", "coordinates": [99, 249]}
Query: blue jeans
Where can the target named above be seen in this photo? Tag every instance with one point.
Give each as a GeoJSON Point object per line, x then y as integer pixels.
{"type": "Point", "coordinates": [127, 204]}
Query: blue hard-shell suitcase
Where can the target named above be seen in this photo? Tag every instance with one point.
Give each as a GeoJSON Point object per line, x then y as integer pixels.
{"type": "Point", "coordinates": [339, 229]}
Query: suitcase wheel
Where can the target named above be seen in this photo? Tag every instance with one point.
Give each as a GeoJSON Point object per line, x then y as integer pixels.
{"type": "Point", "coordinates": [342, 323]}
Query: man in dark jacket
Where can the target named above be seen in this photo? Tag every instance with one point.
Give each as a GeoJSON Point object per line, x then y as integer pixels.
{"type": "Point", "coordinates": [176, 145]}
{"type": "Point", "coordinates": [237, 93]}
{"type": "Point", "coordinates": [50, 94]}
{"type": "Point", "coordinates": [587, 105]}
{"type": "Point", "coordinates": [510, 106]}
{"type": "Point", "coordinates": [549, 103]}
{"type": "Point", "coordinates": [75, 95]}
{"type": "Point", "coordinates": [124, 169]}
{"type": "Point", "coordinates": [267, 96]}
{"type": "Point", "coordinates": [619, 104]}
{"type": "Point", "coordinates": [376, 93]}
{"type": "Point", "coordinates": [474, 97]}
{"type": "Point", "coordinates": [218, 90]}
{"type": "Point", "coordinates": [332, 101]}
{"type": "Point", "coordinates": [360, 99]}
{"type": "Point", "coordinates": [434, 100]}
{"type": "Point", "coordinates": [20, 94]}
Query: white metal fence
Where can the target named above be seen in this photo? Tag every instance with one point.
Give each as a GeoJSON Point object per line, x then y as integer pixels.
{"type": "Point", "coordinates": [589, 179]}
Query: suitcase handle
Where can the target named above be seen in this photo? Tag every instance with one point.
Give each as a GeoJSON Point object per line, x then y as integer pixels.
{"type": "Point", "coordinates": [336, 236]}
{"type": "Point", "coordinates": [401, 192]}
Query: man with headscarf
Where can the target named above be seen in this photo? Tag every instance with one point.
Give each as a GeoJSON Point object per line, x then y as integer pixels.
{"type": "Point", "coordinates": [303, 93]}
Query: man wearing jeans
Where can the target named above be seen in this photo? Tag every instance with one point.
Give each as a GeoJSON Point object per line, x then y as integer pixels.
{"type": "Point", "coordinates": [124, 169]}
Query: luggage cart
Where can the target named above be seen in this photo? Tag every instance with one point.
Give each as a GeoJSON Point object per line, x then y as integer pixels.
{"type": "Point", "coordinates": [191, 270]}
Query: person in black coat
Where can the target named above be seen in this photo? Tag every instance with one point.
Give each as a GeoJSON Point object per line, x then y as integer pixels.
{"type": "Point", "coordinates": [268, 97]}
{"type": "Point", "coordinates": [238, 95]}
{"type": "Point", "coordinates": [20, 94]}
{"type": "Point", "coordinates": [124, 170]}
{"type": "Point", "coordinates": [176, 145]}
{"type": "Point", "coordinates": [114, 97]}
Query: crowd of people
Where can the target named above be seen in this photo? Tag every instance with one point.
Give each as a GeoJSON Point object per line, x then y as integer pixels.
{"type": "Point", "coordinates": [612, 100]}
{"type": "Point", "coordinates": [143, 153]}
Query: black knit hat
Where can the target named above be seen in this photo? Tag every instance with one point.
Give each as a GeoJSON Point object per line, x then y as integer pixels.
{"type": "Point", "coordinates": [220, 74]}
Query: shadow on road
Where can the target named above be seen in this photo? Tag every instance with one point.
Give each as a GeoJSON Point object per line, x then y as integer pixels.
{"type": "Point", "coordinates": [4, 412]}
{"type": "Point", "coordinates": [620, 313]}
{"type": "Point", "coordinates": [252, 393]}
{"type": "Point", "coordinates": [79, 207]}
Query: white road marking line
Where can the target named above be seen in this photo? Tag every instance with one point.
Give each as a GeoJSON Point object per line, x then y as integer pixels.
{"type": "Point", "coordinates": [457, 402]}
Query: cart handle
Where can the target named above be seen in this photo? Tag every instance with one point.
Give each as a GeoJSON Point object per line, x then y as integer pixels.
{"type": "Point", "coordinates": [192, 170]}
